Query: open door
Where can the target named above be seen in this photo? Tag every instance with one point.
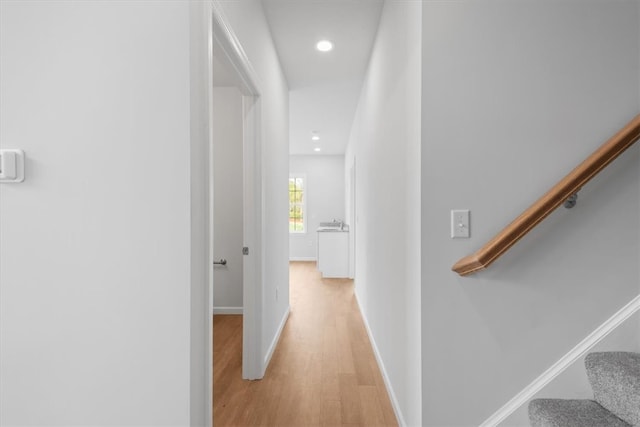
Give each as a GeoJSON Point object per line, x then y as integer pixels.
{"type": "Point", "coordinates": [238, 160]}
{"type": "Point", "coordinates": [228, 203]}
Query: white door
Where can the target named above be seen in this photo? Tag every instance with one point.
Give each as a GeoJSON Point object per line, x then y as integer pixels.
{"type": "Point", "coordinates": [227, 200]}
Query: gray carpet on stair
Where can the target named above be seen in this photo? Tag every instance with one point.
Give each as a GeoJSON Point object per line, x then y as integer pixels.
{"type": "Point", "coordinates": [615, 380]}
{"type": "Point", "coordinates": [571, 413]}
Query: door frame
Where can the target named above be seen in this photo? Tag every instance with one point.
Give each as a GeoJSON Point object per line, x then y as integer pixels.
{"type": "Point", "coordinates": [352, 219]}
{"type": "Point", "coordinates": [223, 38]}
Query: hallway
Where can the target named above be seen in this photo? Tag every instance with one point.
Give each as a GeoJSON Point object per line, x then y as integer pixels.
{"type": "Point", "coordinates": [323, 371]}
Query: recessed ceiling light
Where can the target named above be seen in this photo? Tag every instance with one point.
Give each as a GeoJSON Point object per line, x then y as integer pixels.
{"type": "Point", "coordinates": [324, 45]}
{"type": "Point", "coordinates": [316, 149]}
{"type": "Point", "coordinates": [315, 138]}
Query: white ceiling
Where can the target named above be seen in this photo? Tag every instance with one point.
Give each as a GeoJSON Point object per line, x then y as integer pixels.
{"type": "Point", "coordinates": [324, 87]}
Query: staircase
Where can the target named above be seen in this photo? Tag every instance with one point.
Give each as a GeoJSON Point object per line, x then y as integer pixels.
{"type": "Point", "coordinates": [615, 380]}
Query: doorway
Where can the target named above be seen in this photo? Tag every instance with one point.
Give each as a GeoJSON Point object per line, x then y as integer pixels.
{"type": "Point", "coordinates": [235, 191]}
{"type": "Point", "coordinates": [227, 194]}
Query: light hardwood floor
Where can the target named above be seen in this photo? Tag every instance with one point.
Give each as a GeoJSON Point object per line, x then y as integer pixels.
{"type": "Point", "coordinates": [323, 371]}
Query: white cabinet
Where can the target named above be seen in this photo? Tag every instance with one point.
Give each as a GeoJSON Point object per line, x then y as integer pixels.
{"type": "Point", "coordinates": [333, 253]}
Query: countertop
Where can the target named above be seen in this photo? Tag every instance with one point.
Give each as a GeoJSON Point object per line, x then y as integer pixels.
{"type": "Point", "coordinates": [333, 229]}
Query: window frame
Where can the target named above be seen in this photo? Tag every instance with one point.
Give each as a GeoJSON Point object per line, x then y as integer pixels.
{"type": "Point", "coordinates": [302, 204]}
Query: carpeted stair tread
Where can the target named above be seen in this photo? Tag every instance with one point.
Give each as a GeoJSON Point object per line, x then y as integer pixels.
{"type": "Point", "coordinates": [615, 380]}
{"type": "Point", "coordinates": [571, 413]}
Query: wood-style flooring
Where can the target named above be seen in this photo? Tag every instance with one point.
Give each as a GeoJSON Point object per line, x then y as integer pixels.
{"type": "Point", "coordinates": [323, 371]}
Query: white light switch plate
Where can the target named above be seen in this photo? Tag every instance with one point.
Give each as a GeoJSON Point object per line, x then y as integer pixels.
{"type": "Point", "coordinates": [460, 224]}
{"type": "Point", "coordinates": [11, 165]}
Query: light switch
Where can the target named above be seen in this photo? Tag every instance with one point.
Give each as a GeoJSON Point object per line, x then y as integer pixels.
{"type": "Point", "coordinates": [11, 165]}
{"type": "Point", "coordinates": [460, 224]}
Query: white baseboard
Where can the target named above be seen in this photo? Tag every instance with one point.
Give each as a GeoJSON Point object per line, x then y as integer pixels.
{"type": "Point", "coordinates": [227, 310]}
{"type": "Point", "coordinates": [302, 258]}
{"type": "Point", "coordinates": [567, 360]}
{"type": "Point", "coordinates": [274, 342]}
{"type": "Point", "coordinates": [385, 377]}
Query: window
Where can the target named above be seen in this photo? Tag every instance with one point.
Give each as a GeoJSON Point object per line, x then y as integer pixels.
{"type": "Point", "coordinates": [297, 204]}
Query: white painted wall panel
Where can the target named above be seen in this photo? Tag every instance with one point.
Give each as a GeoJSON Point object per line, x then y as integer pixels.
{"type": "Point", "coordinates": [385, 143]}
{"type": "Point", "coordinates": [94, 245]}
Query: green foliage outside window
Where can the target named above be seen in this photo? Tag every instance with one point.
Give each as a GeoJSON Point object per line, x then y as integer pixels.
{"type": "Point", "coordinates": [296, 205]}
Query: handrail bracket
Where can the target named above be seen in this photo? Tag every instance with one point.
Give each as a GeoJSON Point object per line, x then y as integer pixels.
{"type": "Point", "coordinates": [571, 201]}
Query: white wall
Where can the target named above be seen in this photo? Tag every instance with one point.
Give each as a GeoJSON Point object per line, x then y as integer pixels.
{"type": "Point", "coordinates": [325, 200]}
{"type": "Point", "coordinates": [385, 143]}
{"type": "Point", "coordinates": [94, 245]}
{"type": "Point", "coordinates": [573, 383]}
{"type": "Point", "coordinates": [250, 26]}
{"type": "Point", "coordinates": [514, 96]}
{"type": "Point", "coordinates": [228, 204]}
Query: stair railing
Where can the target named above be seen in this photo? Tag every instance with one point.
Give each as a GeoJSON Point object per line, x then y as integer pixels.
{"type": "Point", "coordinates": [563, 192]}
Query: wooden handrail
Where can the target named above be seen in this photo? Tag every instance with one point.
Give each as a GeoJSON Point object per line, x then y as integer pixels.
{"type": "Point", "coordinates": [560, 192]}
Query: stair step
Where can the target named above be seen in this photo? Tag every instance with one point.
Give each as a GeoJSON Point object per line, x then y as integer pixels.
{"type": "Point", "coordinates": [571, 413]}
{"type": "Point", "coordinates": [615, 380]}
